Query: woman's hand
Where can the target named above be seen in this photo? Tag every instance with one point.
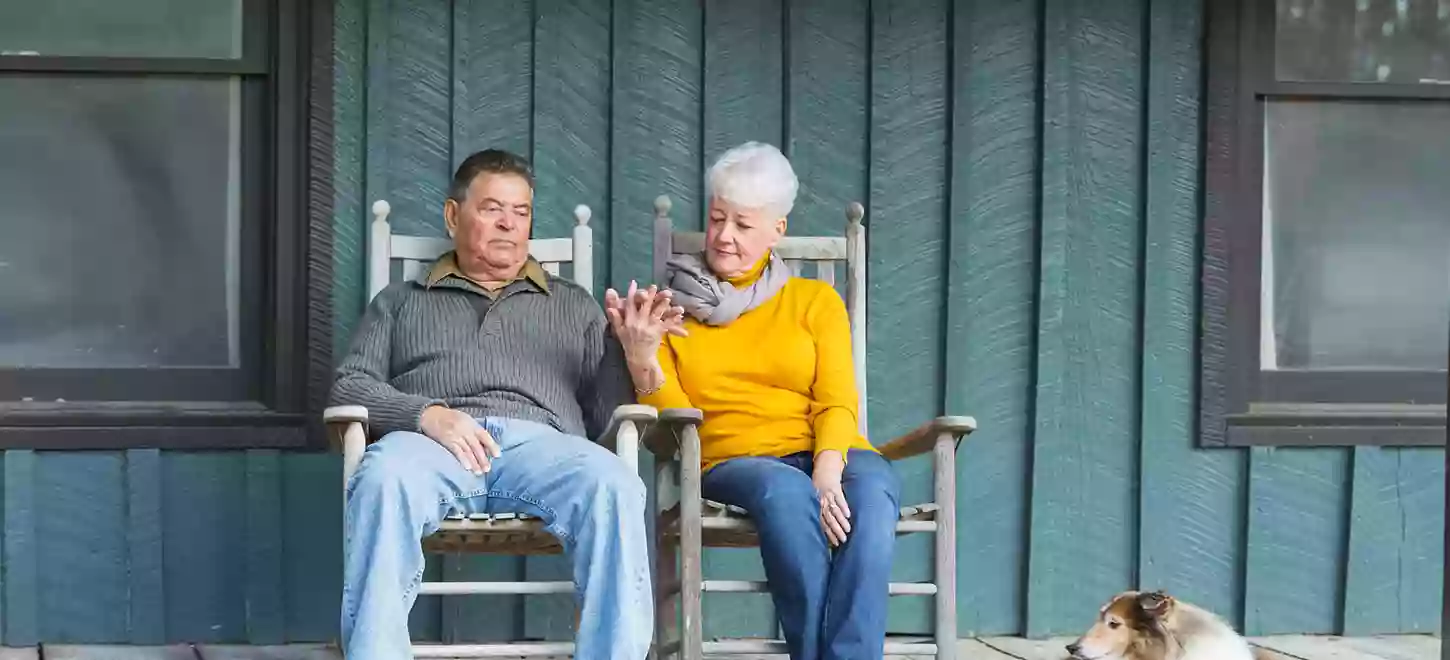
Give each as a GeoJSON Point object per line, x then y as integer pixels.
{"type": "Point", "coordinates": [641, 319]}
{"type": "Point", "coordinates": [835, 514]}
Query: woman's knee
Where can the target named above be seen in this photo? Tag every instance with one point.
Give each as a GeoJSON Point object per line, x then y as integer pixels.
{"type": "Point", "coordinates": [871, 474]}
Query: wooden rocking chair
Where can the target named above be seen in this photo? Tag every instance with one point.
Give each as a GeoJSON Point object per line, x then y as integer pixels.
{"type": "Point", "coordinates": [505, 534]}
{"type": "Point", "coordinates": [694, 523]}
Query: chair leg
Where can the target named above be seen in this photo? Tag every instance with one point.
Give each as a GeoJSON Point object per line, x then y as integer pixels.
{"type": "Point", "coordinates": [691, 539]}
{"type": "Point", "coordinates": [946, 547]}
{"type": "Point", "coordinates": [666, 570]}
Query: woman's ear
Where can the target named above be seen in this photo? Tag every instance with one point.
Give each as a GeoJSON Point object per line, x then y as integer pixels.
{"type": "Point", "coordinates": [780, 224]}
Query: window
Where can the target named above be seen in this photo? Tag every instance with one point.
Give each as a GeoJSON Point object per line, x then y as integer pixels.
{"type": "Point", "coordinates": [153, 225]}
{"type": "Point", "coordinates": [1326, 289]}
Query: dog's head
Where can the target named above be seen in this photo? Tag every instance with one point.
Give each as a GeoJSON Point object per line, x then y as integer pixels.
{"type": "Point", "coordinates": [1129, 627]}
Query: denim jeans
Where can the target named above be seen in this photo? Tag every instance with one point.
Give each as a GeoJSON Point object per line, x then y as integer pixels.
{"type": "Point", "coordinates": [585, 495]}
{"type": "Point", "coordinates": [831, 604]}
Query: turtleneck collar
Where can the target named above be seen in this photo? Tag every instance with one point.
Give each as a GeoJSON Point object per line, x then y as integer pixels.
{"type": "Point", "coordinates": [750, 276]}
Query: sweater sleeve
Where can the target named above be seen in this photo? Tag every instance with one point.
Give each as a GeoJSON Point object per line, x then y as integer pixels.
{"type": "Point", "coordinates": [672, 393]}
{"type": "Point", "coordinates": [834, 397]}
{"type": "Point", "coordinates": [606, 383]}
{"type": "Point", "coordinates": [364, 374]}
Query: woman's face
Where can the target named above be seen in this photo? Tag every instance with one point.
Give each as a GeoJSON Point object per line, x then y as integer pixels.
{"type": "Point", "coordinates": [736, 237]}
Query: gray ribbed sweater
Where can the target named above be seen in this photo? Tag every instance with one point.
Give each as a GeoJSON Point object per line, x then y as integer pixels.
{"type": "Point", "coordinates": [544, 357]}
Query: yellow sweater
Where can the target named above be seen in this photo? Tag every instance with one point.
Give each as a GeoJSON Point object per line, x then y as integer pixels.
{"type": "Point", "coordinates": [776, 381]}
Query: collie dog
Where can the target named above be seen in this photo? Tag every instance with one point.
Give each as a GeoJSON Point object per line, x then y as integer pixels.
{"type": "Point", "coordinates": [1138, 625]}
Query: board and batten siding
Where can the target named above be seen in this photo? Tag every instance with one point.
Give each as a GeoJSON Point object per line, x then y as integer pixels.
{"type": "Point", "coordinates": [1031, 173]}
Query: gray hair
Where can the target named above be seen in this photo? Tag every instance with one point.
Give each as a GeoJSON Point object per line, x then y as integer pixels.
{"type": "Point", "coordinates": [754, 175]}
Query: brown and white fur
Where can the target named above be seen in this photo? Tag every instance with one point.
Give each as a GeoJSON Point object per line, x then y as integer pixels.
{"type": "Point", "coordinates": [1137, 625]}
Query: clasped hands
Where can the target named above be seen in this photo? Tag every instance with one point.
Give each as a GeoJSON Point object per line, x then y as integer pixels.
{"type": "Point", "coordinates": [641, 318]}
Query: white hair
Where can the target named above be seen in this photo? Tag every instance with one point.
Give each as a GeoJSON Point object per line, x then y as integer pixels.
{"type": "Point", "coordinates": [755, 176]}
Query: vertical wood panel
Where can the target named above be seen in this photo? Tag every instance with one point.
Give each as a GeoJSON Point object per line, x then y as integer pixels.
{"type": "Point", "coordinates": [827, 103]}
{"type": "Point", "coordinates": [571, 79]}
{"type": "Point", "coordinates": [349, 219]}
{"type": "Point", "coordinates": [909, 145]}
{"type": "Point", "coordinates": [81, 548]}
{"type": "Point", "coordinates": [1084, 504]}
{"type": "Point", "coordinates": [1191, 501]}
{"type": "Point", "coordinates": [742, 80]}
{"type": "Point", "coordinates": [656, 126]}
{"type": "Point", "coordinates": [1297, 532]}
{"type": "Point", "coordinates": [409, 111]}
{"type": "Point", "coordinates": [743, 101]}
{"type": "Point", "coordinates": [492, 96]}
{"type": "Point", "coordinates": [492, 81]}
{"type": "Point", "coordinates": [21, 623]}
{"type": "Point", "coordinates": [266, 607]}
{"type": "Point", "coordinates": [1396, 541]}
{"type": "Point", "coordinates": [570, 161]}
{"type": "Point", "coordinates": [312, 544]}
{"type": "Point", "coordinates": [205, 550]}
{"type": "Point", "coordinates": [145, 538]}
{"type": "Point", "coordinates": [992, 280]}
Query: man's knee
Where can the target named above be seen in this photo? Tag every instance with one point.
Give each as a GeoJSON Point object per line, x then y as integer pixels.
{"type": "Point", "coordinates": [610, 477]}
{"type": "Point", "coordinates": [390, 464]}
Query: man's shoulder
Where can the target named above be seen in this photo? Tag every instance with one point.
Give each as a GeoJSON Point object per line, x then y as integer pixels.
{"type": "Point", "coordinates": [569, 293]}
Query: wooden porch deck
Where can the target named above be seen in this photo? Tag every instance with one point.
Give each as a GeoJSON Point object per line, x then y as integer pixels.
{"type": "Point", "coordinates": [1393, 647]}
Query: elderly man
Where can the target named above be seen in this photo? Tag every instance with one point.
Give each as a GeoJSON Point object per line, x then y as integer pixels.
{"type": "Point", "coordinates": [486, 376]}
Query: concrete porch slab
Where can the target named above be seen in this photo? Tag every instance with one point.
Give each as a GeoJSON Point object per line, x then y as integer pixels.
{"type": "Point", "coordinates": [1287, 647]}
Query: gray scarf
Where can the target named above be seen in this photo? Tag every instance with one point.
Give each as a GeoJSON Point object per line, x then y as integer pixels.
{"type": "Point", "coordinates": [713, 301]}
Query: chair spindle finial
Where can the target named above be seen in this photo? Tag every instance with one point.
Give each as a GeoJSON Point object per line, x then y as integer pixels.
{"type": "Point", "coordinates": [381, 209]}
{"type": "Point", "coordinates": [662, 206]}
{"type": "Point", "coordinates": [582, 214]}
{"type": "Point", "coordinates": [855, 212]}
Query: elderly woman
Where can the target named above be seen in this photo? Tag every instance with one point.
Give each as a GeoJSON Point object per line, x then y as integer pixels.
{"type": "Point", "coordinates": [767, 358]}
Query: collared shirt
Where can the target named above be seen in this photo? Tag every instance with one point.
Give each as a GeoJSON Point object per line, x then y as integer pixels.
{"type": "Point", "coordinates": [447, 266]}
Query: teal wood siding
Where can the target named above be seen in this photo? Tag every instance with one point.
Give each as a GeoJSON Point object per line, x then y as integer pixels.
{"type": "Point", "coordinates": [1031, 171]}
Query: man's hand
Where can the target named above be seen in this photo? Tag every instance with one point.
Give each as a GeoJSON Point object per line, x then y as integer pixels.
{"type": "Point", "coordinates": [462, 436]}
{"type": "Point", "coordinates": [835, 514]}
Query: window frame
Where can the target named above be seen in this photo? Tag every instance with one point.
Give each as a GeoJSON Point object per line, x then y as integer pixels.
{"type": "Point", "coordinates": [285, 72]}
{"type": "Point", "coordinates": [1241, 405]}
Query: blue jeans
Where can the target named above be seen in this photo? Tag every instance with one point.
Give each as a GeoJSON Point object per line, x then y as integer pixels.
{"type": "Point", "coordinates": [831, 604]}
{"type": "Point", "coordinates": [585, 495]}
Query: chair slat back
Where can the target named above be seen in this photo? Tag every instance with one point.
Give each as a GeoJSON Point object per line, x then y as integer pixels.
{"type": "Point", "coordinates": [806, 256]}
{"type": "Point", "coordinates": [417, 253]}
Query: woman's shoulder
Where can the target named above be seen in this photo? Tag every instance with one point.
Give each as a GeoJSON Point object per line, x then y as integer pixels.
{"type": "Point", "coordinates": [811, 288]}
{"type": "Point", "coordinates": [814, 298]}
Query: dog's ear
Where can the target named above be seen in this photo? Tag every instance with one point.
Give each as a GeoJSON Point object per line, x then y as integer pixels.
{"type": "Point", "coordinates": [1155, 604]}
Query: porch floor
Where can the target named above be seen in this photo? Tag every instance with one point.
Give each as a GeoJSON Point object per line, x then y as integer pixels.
{"type": "Point", "coordinates": [1392, 647]}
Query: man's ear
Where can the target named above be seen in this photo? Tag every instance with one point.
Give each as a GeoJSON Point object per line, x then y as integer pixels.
{"type": "Point", "coordinates": [450, 216]}
{"type": "Point", "coordinates": [1155, 604]}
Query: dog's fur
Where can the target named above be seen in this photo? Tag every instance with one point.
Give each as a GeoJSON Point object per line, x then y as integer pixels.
{"type": "Point", "coordinates": [1138, 625]}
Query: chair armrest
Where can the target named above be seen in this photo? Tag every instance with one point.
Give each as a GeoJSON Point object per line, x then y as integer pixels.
{"type": "Point", "coordinates": [923, 438]}
{"type": "Point", "coordinates": [342, 414]}
{"type": "Point", "coordinates": [663, 439]}
{"type": "Point", "coordinates": [347, 431]}
{"type": "Point", "coordinates": [642, 416]}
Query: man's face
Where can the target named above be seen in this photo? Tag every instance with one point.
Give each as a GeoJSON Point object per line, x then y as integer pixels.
{"type": "Point", "coordinates": [490, 227]}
